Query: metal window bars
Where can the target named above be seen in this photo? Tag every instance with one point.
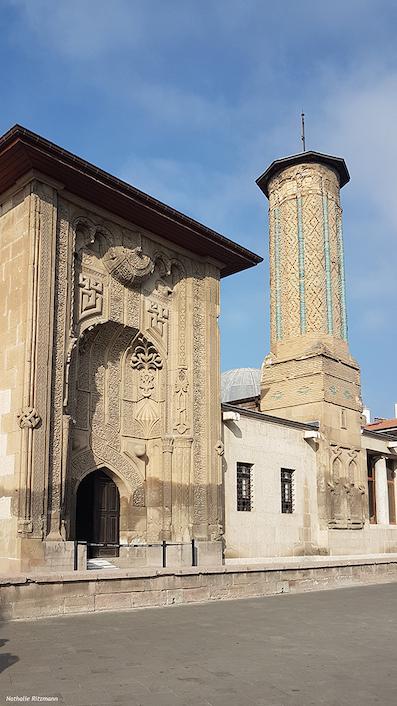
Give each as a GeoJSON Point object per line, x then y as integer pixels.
{"type": "Point", "coordinates": [244, 487]}
{"type": "Point", "coordinates": [287, 491]}
{"type": "Point", "coordinates": [164, 544]}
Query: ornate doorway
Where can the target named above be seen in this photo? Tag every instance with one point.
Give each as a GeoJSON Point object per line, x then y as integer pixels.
{"type": "Point", "coordinates": [98, 513]}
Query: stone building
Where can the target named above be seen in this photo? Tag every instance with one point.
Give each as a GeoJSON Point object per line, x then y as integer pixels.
{"type": "Point", "coordinates": [110, 390]}
{"type": "Point", "coordinates": [315, 481]}
{"type": "Point", "coordinates": [109, 377]}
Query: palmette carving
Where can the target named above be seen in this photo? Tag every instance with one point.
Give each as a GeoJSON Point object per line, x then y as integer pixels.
{"type": "Point", "coordinates": [145, 357]}
{"type": "Point", "coordinates": [147, 362]}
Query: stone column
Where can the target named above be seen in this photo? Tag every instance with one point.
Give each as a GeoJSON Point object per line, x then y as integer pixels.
{"type": "Point", "coordinates": [168, 444]}
{"type": "Point", "coordinates": [381, 493]}
{"type": "Point", "coordinates": [181, 489]}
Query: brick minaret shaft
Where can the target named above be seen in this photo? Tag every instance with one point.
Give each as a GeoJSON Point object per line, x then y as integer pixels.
{"type": "Point", "coordinates": [309, 374]}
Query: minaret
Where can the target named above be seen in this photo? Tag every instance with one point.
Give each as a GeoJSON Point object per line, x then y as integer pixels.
{"type": "Point", "coordinates": [309, 374]}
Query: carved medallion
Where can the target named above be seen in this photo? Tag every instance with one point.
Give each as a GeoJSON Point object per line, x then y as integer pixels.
{"type": "Point", "coordinates": [128, 266]}
{"type": "Point", "coordinates": [29, 418]}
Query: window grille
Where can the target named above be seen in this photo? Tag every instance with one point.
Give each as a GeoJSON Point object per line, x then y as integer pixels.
{"type": "Point", "coordinates": [287, 490]}
{"type": "Point", "coordinates": [244, 500]}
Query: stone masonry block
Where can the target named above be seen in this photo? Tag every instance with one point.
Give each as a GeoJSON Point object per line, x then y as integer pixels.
{"type": "Point", "coordinates": [79, 604]}
{"type": "Point", "coordinates": [112, 601]}
{"type": "Point", "coordinates": [196, 594]}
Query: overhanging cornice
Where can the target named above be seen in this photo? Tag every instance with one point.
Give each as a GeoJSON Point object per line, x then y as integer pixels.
{"type": "Point", "coordinates": [22, 150]}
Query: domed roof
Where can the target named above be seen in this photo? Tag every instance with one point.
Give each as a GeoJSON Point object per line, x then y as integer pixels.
{"type": "Point", "coordinates": [240, 383]}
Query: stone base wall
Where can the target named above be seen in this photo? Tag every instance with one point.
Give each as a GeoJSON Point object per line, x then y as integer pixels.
{"type": "Point", "coordinates": [59, 556]}
{"type": "Point", "coordinates": [38, 596]}
{"type": "Point", "coordinates": [177, 555]}
{"type": "Point", "coordinates": [373, 539]}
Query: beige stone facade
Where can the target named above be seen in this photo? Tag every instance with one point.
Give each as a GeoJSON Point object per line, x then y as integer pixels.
{"type": "Point", "coordinates": [110, 415]}
{"type": "Point", "coordinates": [110, 361]}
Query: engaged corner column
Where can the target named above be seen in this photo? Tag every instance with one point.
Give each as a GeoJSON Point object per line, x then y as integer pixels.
{"type": "Point", "coordinates": [381, 492]}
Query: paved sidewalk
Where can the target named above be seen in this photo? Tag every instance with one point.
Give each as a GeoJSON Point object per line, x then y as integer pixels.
{"type": "Point", "coordinates": [331, 648]}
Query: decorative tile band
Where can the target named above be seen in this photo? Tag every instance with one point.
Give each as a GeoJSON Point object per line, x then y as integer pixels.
{"type": "Point", "coordinates": [330, 318]}
{"type": "Point", "coordinates": [301, 261]}
{"type": "Point", "coordinates": [279, 329]}
{"type": "Point", "coordinates": [342, 284]}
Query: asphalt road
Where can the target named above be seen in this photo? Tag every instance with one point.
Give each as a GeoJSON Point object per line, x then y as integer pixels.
{"type": "Point", "coordinates": [327, 648]}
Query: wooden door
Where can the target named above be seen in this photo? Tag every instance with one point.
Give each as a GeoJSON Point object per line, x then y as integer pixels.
{"type": "Point", "coordinates": [106, 515]}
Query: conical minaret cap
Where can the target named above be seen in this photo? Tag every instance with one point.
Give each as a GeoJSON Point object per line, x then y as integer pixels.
{"type": "Point", "coordinates": [336, 163]}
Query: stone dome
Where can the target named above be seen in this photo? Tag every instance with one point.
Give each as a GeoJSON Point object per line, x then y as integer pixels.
{"type": "Point", "coordinates": [240, 383]}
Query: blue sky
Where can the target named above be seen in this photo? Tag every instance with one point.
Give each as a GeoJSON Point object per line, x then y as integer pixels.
{"type": "Point", "coordinates": [190, 101]}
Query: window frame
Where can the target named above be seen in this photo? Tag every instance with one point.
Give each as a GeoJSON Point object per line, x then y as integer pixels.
{"type": "Point", "coordinates": [287, 506]}
{"type": "Point", "coordinates": [243, 493]}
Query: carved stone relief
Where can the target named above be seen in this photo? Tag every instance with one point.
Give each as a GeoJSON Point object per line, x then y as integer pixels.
{"type": "Point", "coordinates": [346, 493]}
{"type": "Point", "coordinates": [91, 296]}
{"type": "Point", "coordinates": [200, 436]}
{"type": "Point", "coordinates": [121, 340]}
{"type": "Point", "coordinates": [181, 391]}
{"type": "Point", "coordinates": [34, 418]}
{"type": "Point", "coordinates": [57, 473]}
{"type": "Point", "coordinates": [128, 266]}
{"type": "Point", "coordinates": [29, 418]}
{"type": "Point", "coordinates": [147, 364]}
{"type": "Point", "coordinates": [158, 316]}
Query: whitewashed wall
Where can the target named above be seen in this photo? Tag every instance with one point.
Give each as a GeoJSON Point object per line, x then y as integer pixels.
{"type": "Point", "coordinates": [266, 531]}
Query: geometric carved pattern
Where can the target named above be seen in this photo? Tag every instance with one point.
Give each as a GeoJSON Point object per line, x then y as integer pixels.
{"type": "Point", "coordinates": [29, 418]}
{"type": "Point", "coordinates": [334, 268]}
{"type": "Point", "coordinates": [341, 272]}
{"type": "Point", "coordinates": [290, 269]}
{"type": "Point", "coordinates": [306, 254]}
{"type": "Point", "coordinates": [314, 264]}
{"type": "Point", "coordinates": [158, 317]}
{"type": "Point", "coordinates": [199, 401]}
{"type": "Point", "coordinates": [91, 298]}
